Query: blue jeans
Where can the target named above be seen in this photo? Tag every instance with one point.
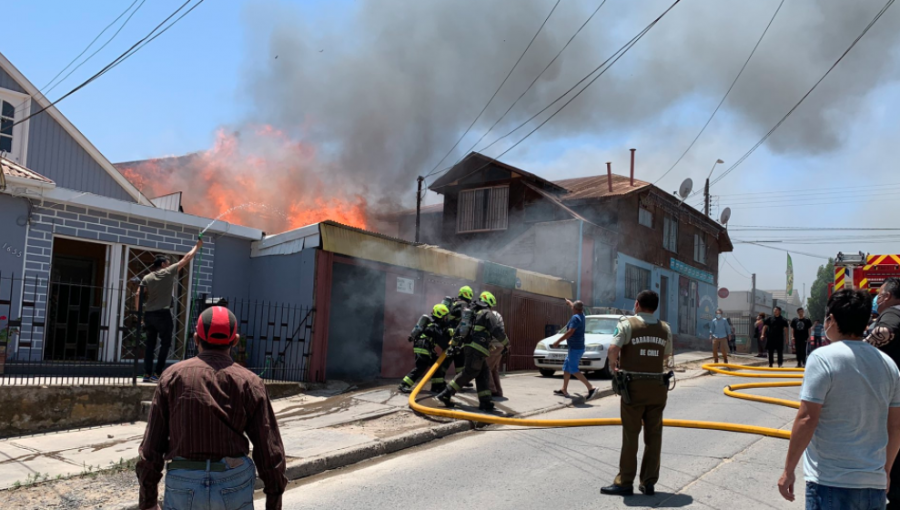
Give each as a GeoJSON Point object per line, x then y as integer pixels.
{"type": "Point", "coordinates": [231, 489]}
{"type": "Point", "coordinates": [824, 497]}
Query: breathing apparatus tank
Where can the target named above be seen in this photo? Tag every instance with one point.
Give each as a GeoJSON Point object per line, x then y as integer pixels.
{"type": "Point", "coordinates": [417, 331]}
{"type": "Point", "coordinates": [465, 324]}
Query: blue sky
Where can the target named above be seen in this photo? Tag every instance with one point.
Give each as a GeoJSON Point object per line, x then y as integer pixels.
{"type": "Point", "coordinates": [170, 98]}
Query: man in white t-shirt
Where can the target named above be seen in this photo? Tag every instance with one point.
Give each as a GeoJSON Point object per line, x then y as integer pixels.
{"type": "Point", "coordinates": [848, 426]}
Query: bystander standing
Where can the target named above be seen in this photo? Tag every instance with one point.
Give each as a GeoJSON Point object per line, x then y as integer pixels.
{"type": "Point", "coordinates": [800, 326]}
{"type": "Point", "coordinates": [732, 338]}
{"type": "Point", "coordinates": [848, 426]}
{"type": "Point", "coordinates": [203, 413]}
{"type": "Point", "coordinates": [774, 333]}
{"type": "Point", "coordinates": [816, 338]}
{"type": "Point", "coordinates": [757, 334]}
{"type": "Point", "coordinates": [719, 333]}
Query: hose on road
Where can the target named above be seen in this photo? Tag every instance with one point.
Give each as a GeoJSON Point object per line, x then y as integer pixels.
{"type": "Point", "coordinates": [719, 368]}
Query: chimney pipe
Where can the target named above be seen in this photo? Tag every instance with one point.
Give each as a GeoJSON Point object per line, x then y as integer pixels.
{"type": "Point", "coordinates": [609, 174]}
{"type": "Point", "coordinates": [632, 167]}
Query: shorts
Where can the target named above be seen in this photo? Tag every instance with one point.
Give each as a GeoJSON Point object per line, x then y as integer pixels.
{"type": "Point", "coordinates": [573, 358]}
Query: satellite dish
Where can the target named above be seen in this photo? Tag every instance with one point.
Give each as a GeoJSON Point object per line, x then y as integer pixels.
{"type": "Point", "coordinates": [726, 215]}
{"type": "Point", "coordinates": [685, 189]}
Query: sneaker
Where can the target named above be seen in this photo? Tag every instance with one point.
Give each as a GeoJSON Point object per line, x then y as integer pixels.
{"type": "Point", "coordinates": [154, 378]}
{"type": "Point", "coordinates": [147, 378]}
{"type": "Point", "coordinates": [592, 394]}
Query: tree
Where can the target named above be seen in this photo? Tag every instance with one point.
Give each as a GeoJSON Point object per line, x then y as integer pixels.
{"type": "Point", "coordinates": [818, 296]}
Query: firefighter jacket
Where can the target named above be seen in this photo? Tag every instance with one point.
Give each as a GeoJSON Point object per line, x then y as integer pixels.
{"type": "Point", "coordinates": [487, 327]}
{"type": "Point", "coordinates": [430, 332]}
{"type": "Point", "coordinates": [457, 308]}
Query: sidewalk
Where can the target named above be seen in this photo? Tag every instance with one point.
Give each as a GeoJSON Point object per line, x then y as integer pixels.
{"type": "Point", "coordinates": [322, 430]}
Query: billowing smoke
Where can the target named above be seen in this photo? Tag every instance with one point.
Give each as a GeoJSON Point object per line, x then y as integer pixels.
{"type": "Point", "coordinates": [385, 88]}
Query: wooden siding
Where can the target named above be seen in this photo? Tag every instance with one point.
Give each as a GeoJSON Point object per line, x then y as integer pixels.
{"type": "Point", "coordinates": [55, 154]}
{"type": "Point", "coordinates": [7, 82]}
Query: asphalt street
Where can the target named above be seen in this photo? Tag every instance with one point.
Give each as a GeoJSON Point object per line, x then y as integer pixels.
{"type": "Point", "coordinates": [518, 468]}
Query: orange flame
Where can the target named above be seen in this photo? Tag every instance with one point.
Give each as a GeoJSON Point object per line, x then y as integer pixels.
{"type": "Point", "coordinates": [282, 180]}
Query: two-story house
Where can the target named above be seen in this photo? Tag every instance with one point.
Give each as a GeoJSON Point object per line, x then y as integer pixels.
{"type": "Point", "coordinates": [612, 235]}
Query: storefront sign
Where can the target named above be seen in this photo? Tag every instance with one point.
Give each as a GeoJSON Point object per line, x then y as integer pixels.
{"type": "Point", "coordinates": [406, 285]}
{"type": "Point", "coordinates": [690, 271]}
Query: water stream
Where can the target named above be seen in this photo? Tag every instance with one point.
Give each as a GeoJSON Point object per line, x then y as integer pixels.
{"type": "Point", "coordinates": [246, 204]}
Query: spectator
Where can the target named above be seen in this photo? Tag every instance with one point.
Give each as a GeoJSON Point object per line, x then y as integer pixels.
{"type": "Point", "coordinates": [575, 343]}
{"type": "Point", "coordinates": [204, 411]}
{"type": "Point", "coordinates": [800, 327]}
{"type": "Point", "coordinates": [848, 426]}
{"type": "Point", "coordinates": [774, 332]}
{"type": "Point", "coordinates": [757, 334]}
{"type": "Point", "coordinates": [719, 333]}
{"type": "Point", "coordinates": [816, 335]}
{"type": "Point", "coordinates": [885, 335]}
{"type": "Point", "coordinates": [732, 346]}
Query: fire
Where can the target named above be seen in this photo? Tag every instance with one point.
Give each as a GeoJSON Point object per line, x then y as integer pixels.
{"type": "Point", "coordinates": [283, 180]}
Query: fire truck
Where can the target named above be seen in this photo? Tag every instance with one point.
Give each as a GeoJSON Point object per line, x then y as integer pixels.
{"type": "Point", "coordinates": [863, 271]}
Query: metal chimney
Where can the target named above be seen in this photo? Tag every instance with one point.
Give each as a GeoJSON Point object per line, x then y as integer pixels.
{"type": "Point", "coordinates": [609, 174]}
{"type": "Point", "coordinates": [632, 166]}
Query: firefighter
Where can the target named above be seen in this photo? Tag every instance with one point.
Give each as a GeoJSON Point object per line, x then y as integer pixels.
{"type": "Point", "coordinates": [457, 307]}
{"type": "Point", "coordinates": [641, 345]}
{"type": "Point", "coordinates": [477, 328]}
{"type": "Point", "coordinates": [429, 331]}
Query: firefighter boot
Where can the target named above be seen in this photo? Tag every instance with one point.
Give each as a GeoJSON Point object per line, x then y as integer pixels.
{"type": "Point", "coordinates": [446, 396]}
{"type": "Point", "coordinates": [437, 387]}
{"type": "Point", "coordinates": [485, 404]}
{"type": "Point", "coordinates": [403, 388]}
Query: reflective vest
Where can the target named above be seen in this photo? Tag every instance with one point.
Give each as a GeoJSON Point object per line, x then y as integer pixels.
{"type": "Point", "coordinates": [646, 350]}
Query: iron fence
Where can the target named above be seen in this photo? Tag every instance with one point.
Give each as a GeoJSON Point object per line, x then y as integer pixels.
{"type": "Point", "coordinates": [74, 333]}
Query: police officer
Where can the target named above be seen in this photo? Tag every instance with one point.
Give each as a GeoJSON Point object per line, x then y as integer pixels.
{"type": "Point", "coordinates": [478, 327]}
{"type": "Point", "coordinates": [457, 308]}
{"type": "Point", "coordinates": [640, 346]}
{"type": "Point", "coordinates": [427, 333]}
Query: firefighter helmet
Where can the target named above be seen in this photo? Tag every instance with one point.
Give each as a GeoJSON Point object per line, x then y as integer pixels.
{"type": "Point", "coordinates": [440, 311]}
{"type": "Point", "coordinates": [466, 292]}
{"type": "Point", "coordinates": [488, 298]}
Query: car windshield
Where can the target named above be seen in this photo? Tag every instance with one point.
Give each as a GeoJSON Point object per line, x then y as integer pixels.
{"type": "Point", "coordinates": [595, 326]}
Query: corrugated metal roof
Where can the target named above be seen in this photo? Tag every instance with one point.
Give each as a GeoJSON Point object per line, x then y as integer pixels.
{"type": "Point", "coordinates": [597, 186]}
{"type": "Point", "coordinates": [170, 202]}
{"type": "Point", "coordinates": [16, 170]}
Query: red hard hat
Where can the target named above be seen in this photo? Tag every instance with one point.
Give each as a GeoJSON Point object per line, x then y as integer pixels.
{"type": "Point", "coordinates": [217, 325]}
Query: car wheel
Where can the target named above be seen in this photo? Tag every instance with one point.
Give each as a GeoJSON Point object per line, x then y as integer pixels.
{"type": "Point", "coordinates": [605, 372]}
{"type": "Point", "coordinates": [547, 372]}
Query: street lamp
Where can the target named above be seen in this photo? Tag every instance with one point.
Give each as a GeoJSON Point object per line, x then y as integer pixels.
{"type": "Point", "coordinates": [706, 188]}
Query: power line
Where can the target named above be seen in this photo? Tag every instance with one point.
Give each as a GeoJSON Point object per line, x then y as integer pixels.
{"type": "Point", "coordinates": [613, 58]}
{"type": "Point", "coordinates": [748, 228]}
{"type": "Point", "coordinates": [433, 170]}
{"type": "Point", "coordinates": [724, 259]}
{"type": "Point", "coordinates": [807, 198]}
{"type": "Point", "coordinates": [811, 204]}
{"type": "Point", "coordinates": [121, 58]}
{"type": "Point", "coordinates": [533, 81]}
{"type": "Point", "coordinates": [733, 83]}
{"type": "Point", "coordinates": [837, 189]}
{"type": "Point", "coordinates": [94, 53]}
{"type": "Point", "coordinates": [788, 114]}
{"type": "Point", "coordinates": [781, 249]}
{"type": "Point", "coordinates": [739, 262]}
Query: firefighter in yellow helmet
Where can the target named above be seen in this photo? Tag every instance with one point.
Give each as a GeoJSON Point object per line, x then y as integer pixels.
{"type": "Point", "coordinates": [457, 307]}
{"type": "Point", "coordinates": [428, 332]}
{"type": "Point", "coordinates": [477, 328]}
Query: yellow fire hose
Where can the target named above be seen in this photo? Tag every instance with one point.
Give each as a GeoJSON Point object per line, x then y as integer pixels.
{"type": "Point", "coordinates": [719, 368]}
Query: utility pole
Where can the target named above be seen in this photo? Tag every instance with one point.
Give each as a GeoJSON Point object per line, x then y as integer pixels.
{"type": "Point", "coordinates": [419, 181]}
{"type": "Point", "coordinates": [751, 319]}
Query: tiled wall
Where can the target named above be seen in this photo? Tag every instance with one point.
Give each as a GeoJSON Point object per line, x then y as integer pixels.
{"type": "Point", "coordinates": [51, 219]}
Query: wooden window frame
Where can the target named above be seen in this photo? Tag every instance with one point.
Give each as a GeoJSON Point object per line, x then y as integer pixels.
{"type": "Point", "coordinates": [501, 210]}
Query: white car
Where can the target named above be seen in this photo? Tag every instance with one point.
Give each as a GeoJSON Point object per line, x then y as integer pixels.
{"type": "Point", "coordinates": [598, 334]}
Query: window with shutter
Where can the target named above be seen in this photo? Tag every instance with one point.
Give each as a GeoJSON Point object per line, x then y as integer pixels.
{"type": "Point", "coordinates": [13, 137]}
{"type": "Point", "coordinates": [483, 209]}
{"type": "Point", "coordinates": [637, 279]}
{"type": "Point", "coordinates": [645, 217]}
{"type": "Point", "coordinates": [699, 249]}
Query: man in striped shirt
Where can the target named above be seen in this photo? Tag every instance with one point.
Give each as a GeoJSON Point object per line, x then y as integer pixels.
{"type": "Point", "coordinates": [202, 409]}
